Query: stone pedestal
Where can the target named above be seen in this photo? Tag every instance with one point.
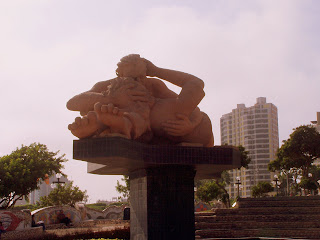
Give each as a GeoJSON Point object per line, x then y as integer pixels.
{"type": "Point", "coordinates": [161, 180]}
{"type": "Point", "coordinates": [162, 203]}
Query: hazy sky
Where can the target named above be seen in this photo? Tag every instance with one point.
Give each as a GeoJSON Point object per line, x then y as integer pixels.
{"type": "Point", "coordinates": [52, 50]}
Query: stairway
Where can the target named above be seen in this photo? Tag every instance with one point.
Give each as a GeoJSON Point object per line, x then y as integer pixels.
{"type": "Point", "coordinates": [274, 217]}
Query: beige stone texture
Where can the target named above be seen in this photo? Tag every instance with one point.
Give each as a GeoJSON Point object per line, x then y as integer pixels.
{"type": "Point", "coordinates": [138, 105]}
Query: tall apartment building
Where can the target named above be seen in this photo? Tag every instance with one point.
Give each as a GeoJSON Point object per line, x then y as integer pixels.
{"type": "Point", "coordinates": [255, 128]}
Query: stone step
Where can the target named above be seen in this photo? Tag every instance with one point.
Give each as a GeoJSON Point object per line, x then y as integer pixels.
{"type": "Point", "coordinates": [259, 218]}
{"type": "Point", "coordinates": [245, 238]}
{"type": "Point", "coordinates": [268, 211]}
{"type": "Point", "coordinates": [279, 202]}
{"type": "Point", "coordinates": [309, 233]}
{"type": "Point", "coordinates": [256, 225]}
{"type": "Point", "coordinates": [214, 225]}
{"type": "Point", "coordinates": [275, 199]}
{"type": "Point", "coordinates": [204, 213]}
{"type": "Point", "coordinates": [285, 217]}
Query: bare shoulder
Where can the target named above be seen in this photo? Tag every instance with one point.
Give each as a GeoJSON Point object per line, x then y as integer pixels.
{"type": "Point", "coordinates": [157, 82]}
{"type": "Point", "coordinates": [101, 86]}
{"type": "Point", "coordinates": [160, 89]}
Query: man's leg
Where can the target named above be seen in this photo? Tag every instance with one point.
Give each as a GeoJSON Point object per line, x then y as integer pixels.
{"type": "Point", "coordinates": [86, 126]}
{"type": "Point", "coordinates": [114, 118]}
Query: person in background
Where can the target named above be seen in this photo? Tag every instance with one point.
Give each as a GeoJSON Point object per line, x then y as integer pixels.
{"type": "Point", "coordinates": [63, 219]}
{"type": "Point", "coordinates": [38, 224]}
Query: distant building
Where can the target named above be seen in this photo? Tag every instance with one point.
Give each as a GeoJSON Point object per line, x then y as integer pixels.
{"type": "Point", "coordinates": [256, 129]}
{"type": "Point", "coordinates": [113, 200]}
{"type": "Point", "coordinates": [316, 123]}
{"type": "Point", "coordinates": [45, 188]}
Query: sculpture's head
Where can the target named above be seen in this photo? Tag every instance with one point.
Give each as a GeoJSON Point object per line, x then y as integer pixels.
{"type": "Point", "coordinates": [132, 66]}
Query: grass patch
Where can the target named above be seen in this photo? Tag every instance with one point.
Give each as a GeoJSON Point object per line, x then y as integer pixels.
{"type": "Point", "coordinates": [27, 206]}
{"type": "Point", "coordinates": [97, 206]}
{"type": "Point", "coordinates": [102, 206]}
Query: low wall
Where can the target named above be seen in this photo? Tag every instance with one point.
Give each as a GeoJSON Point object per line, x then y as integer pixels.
{"type": "Point", "coordinates": [114, 212]}
{"type": "Point", "coordinates": [15, 219]}
{"type": "Point", "coordinates": [49, 215]}
{"type": "Point", "coordinates": [88, 213]}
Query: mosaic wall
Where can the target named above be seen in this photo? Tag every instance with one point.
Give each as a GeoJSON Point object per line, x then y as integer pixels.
{"type": "Point", "coordinates": [49, 215]}
{"type": "Point", "coordinates": [20, 220]}
{"type": "Point", "coordinates": [201, 206]}
{"type": "Point", "coordinates": [114, 212]}
{"type": "Point", "coordinates": [15, 219]}
{"type": "Point", "coordinates": [81, 213]}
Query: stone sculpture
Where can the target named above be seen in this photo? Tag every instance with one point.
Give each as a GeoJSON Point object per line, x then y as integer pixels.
{"type": "Point", "coordinates": [143, 108]}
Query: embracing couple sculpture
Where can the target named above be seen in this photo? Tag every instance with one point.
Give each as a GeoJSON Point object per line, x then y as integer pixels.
{"type": "Point", "coordinates": [143, 108]}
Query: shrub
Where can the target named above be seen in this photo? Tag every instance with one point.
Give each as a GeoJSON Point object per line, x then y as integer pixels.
{"type": "Point", "coordinates": [261, 189]}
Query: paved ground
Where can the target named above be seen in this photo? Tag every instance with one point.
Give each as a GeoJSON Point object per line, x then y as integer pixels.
{"type": "Point", "coordinates": [97, 228]}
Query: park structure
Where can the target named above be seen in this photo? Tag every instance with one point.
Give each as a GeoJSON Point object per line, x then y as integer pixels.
{"type": "Point", "coordinates": [134, 125]}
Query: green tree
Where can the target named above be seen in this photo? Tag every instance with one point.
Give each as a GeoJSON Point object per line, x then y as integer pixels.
{"type": "Point", "coordinates": [295, 159]}
{"type": "Point", "coordinates": [216, 189]}
{"type": "Point", "coordinates": [299, 151]}
{"type": "Point", "coordinates": [124, 189]}
{"type": "Point", "coordinates": [208, 191]}
{"type": "Point", "coordinates": [308, 183]}
{"type": "Point", "coordinates": [261, 189]}
{"type": "Point", "coordinates": [63, 195]}
{"type": "Point", "coordinates": [24, 169]}
{"type": "Point", "coordinates": [244, 156]}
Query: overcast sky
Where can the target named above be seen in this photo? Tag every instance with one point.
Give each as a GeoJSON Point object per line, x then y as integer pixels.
{"type": "Point", "coordinates": [52, 50]}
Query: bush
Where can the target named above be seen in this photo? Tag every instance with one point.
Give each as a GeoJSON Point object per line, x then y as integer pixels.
{"type": "Point", "coordinates": [261, 189]}
{"type": "Point", "coordinates": [308, 183]}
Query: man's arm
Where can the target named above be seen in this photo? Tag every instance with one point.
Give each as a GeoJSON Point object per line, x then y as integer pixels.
{"type": "Point", "coordinates": [192, 87]}
{"type": "Point", "coordinates": [160, 89]}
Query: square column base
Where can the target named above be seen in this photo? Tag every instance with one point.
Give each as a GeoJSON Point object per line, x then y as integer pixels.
{"type": "Point", "coordinates": [162, 203]}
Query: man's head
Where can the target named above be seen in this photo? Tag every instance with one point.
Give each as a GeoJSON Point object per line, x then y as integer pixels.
{"type": "Point", "coordinates": [132, 66]}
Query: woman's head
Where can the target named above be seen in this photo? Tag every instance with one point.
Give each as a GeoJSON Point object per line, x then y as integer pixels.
{"type": "Point", "coordinates": [117, 83]}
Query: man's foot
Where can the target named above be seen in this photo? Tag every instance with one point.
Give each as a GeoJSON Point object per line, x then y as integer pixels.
{"type": "Point", "coordinates": [113, 117]}
{"type": "Point", "coordinates": [86, 126]}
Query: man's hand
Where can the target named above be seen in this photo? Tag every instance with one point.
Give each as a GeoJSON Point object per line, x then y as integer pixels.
{"type": "Point", "coordinates": [151, 68]}
{"type": "Point", "coordinates": [180, 127]}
